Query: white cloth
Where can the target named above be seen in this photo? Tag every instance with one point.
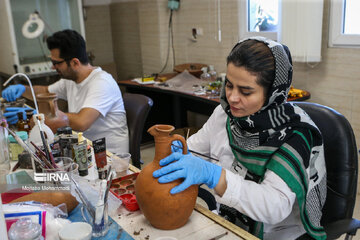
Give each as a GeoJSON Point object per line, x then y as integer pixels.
{"type": "Point", "coordinates": [100, 92]}
{"type": "Point", "coordinates": [271, 202]}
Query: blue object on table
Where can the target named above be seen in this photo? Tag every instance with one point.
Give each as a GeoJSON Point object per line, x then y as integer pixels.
{"type": "Point", "coordinates": [115, 231]}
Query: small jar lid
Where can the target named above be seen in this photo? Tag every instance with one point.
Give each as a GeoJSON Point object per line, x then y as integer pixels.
{"type": "Point", "coordinates": [24, 228]}
{"type": "Point", "coordinates": [64, 130]}
{"type": "Point", "coordinates": [22, 134]}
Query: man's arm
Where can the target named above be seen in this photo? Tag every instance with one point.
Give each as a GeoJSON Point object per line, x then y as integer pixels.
{"type": "Point", "coordinates": [83, 120]}
{"type": "Point", "coordinates": [37, 89]}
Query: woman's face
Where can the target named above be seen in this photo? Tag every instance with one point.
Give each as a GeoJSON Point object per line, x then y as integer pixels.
{"type": "Point", "coordinates": [244, 95]}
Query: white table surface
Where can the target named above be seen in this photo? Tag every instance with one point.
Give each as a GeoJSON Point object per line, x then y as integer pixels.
{"type": "Point", "coordinates": [202, 224]}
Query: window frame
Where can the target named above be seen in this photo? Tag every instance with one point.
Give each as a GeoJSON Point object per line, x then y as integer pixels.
{"type": "Point", "coordinates": [336, 36]}
{"type": "Point", "coordinates": [243, 23]}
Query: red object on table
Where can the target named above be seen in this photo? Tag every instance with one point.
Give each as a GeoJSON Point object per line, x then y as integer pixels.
{"type": "Point", "coordinates": [11, 195]}
{"type": "Point", "coordinates": [123, 188]}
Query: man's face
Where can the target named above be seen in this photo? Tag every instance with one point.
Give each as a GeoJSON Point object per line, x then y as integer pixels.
{"type": "Point", "coordinates": [60, 65]}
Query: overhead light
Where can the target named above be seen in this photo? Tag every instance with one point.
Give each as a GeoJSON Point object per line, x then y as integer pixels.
{"type": "Point", "coordinates": [33, 27]}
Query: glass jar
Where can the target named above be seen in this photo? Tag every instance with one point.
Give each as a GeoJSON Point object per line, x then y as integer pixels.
{"type": "Point", "coordinates": [205, 75]}
{"type": "Point", "coordinates": [4, 146]}
{"type": "Point", "coordinates": [24, 228]}
{"type": "Point", "coordinates": [22, 124]}
{"type": "Point", "coordinates": [15, 147]}
{"type": "Point", "coordinates": [29, 114]}
{"type": "Point", "coordinates": [212, 72]}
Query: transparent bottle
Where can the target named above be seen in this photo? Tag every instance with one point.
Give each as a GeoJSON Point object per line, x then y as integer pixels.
{"type": "Point", "coordinates": [22, 124]}
{"type": "Point", "coordinates": [205, 75]}
{"type": "Point", "coordinates": [212, 72]}
{"type": "Point", "coordinates": [29, 114]}
{"type": "Point", "coordinates": [3, 234]}
{"type": "Point", "coordinates": [4, 145]}
{"type": "Point", "coordinates": [222, 76]}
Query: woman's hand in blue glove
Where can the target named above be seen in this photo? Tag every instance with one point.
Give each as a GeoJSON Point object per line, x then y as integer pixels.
{"type": "Point", "coordinates": [193, 169]}
{"type": "Point", "coordinates": [176, 146]}
{"type": "Point", "coordinates": [13, 92]}
{"type": "Point", "coordinates": [11, 113]}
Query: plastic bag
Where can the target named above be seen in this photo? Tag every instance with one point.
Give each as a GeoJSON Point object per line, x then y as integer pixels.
{"type": "Point", "coordinates": [51, 218]}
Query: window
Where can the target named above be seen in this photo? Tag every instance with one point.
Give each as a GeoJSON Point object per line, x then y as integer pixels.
{"type": "Point", "coordinates": [260, 18]}
{"type": "Point", "coordinates": [344, 28]}
{"type": "Point", "coordinates": [295, 23]}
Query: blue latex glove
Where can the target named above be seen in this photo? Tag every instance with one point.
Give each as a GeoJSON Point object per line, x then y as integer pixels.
{"type": "Point", "coordinates": [193, 169]}
{"type": "Point", "coordinates": [12, 92]}
{"type": "Point", "coordinates": [176, 146]}
{"type": "Point", "coordinates": [11, 114]}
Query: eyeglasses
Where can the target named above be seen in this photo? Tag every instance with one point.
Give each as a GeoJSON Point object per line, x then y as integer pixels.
{"type": "Point", "coordinates": [54, 62]}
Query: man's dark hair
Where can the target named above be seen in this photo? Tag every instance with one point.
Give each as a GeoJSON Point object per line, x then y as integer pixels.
{"type": "Point", "coordinates": [71, 45]}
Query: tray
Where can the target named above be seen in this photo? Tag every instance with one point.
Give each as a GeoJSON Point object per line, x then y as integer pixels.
{"type": "Point", "coordinates": [124, 189]}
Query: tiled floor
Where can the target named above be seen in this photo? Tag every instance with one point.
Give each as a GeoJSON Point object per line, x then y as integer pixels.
{"type": "Point", "coordinates": [148, 152]}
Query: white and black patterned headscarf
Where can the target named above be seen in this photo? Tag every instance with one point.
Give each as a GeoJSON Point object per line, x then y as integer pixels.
{"type": "Point", "coordinates": [282, 137]}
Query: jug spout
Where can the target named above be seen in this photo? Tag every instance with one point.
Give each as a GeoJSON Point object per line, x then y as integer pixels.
{"type": "Point", "coordinates": [160, 129]}
{"type": "Point", "coordinates": [163, 140]}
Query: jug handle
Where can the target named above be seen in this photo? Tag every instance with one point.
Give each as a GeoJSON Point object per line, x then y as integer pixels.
{"type": "Point", "coordinates": [52, 107]}
{"type": "Point", "coordinates": [175, 137]}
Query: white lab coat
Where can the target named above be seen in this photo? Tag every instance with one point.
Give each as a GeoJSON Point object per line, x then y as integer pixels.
{"type": "Point", "coordinates": [271, 202]}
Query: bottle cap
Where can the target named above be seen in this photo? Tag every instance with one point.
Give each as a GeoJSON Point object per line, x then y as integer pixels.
{"type": "Point", "coordinates": [21, 115]}
{"type": "Point", "coordinates": [80, 137]}
{"type": "Point", "coordinates": [39, 116]}
{"type": "Point", "coordinates": [22, 134]}
{"type": "Point", "coordinates": [64, 130]}
{"type": "Point", "coordinates": [29, 113]}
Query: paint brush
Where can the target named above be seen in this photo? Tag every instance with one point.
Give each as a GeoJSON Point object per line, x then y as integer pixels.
{"type": "Point", "coordinates": [25, 146]}
{"type": "Point", "coordinates": [42, 154]}
{"type": "Point", "coordinates": [197, 153]}
{"type": "Point", "coordinates": [110, 177]}
{"type": "Point", "coordinates": [219, 236]}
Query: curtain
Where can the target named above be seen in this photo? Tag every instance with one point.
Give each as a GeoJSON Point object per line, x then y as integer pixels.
{"type": "Point", "coordinates": [301, 28]}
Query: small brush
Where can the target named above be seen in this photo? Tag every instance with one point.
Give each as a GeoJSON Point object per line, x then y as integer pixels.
{"type": "Point", "coordinates": [203, 155]}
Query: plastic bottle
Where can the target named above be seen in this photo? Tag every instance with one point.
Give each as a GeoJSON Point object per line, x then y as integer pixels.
{"type": "Point", "coordinates": [3, 234]}
{"type": "Point", "coordinates": [212, 72]}
{"type": "Point", "coordinates": [4, 146]}
{"type": "Point", "coordinates": [35, 136]}
{"type": "Point", "coordinates": [92, 172]}
{"type": "Point", "coordinates": [205, 75]}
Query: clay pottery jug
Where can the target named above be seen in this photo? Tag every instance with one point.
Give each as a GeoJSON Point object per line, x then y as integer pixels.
{"type": "Point", "coordinates": [163, 210]}
{"type": "Point", "coordinates": [54, 118]}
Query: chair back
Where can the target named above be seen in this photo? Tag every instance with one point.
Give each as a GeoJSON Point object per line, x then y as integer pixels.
{"type": "Point", "coordinates": [341, 159]}
{"type": "Point", "coordinates": [137, 107]}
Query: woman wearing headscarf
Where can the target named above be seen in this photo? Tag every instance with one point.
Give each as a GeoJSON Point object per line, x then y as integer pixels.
{"type": "Point", "coordinates": [271, 171]}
